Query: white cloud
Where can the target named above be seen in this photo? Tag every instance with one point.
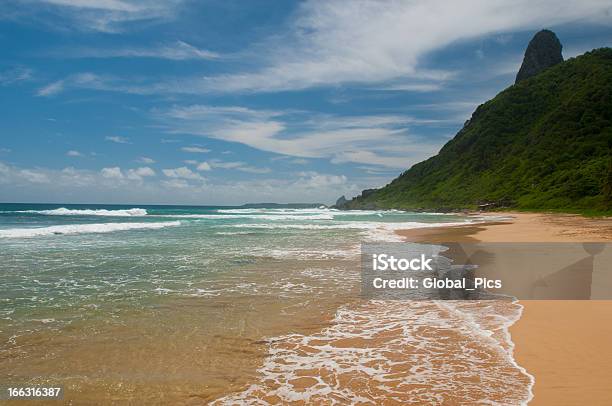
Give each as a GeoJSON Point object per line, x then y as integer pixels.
{"type": "Point", "coordinates": [253, 169]}
{"type": "Point", "coordinates": [289, 159]}
{"type": "Point", "coordinates": [51, 89]}
{"type": "Point", "coordinates": [503, 39]}
{"type": "Point", "coordinates": [117, 139]}
{"type": "Point", "coordinates": [182, 173]}
{"type": "Point", "coordinates": [176, 184]}
{"type": "Point", "coordinates": [107, 15]}
{"type": "Point", "coordinates": [112, 173]}
{"type": "Point", "coordinates": [203, 166]}
{"type": "Point", "coordinates": [412, 87]}
{"type": "Point", "coordinates": [106, 82]}
{"type": "Point", "coordinates": [109, 5]}
{"type": "Point", "coordinates": [367, 41]}
{"type": "Point", "coordinates": [316, 180]}
{"type": "Point", "coordinates": [15, 75]}
{"type": "Point", "coordinates": [195, 149]}
{"type": "Point", "coordinates": [145, 160]}
{"type": "Point", "coordinates": [369, 157]}
{"type": "Point", "coordinates": [227, 165]}
{"type": "Point", "coordinates": [74, 153]}
{"type": "Point", "coordinates": [86, 186]}
{"type": "Point", "coordinates": [139, 173]}
{"type": "Point", "coordinates": [177, 51]}
{"type": "Point", "coordinates": [20, 176]}
{"type": "Point", "coordinates": [34, 176]}
{"type": "Point", "coordinates": [239, 166]}
{"type": "Point", "coordinates": [375, 139]}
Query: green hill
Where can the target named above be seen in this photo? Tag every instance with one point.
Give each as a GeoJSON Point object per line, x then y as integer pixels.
{"type": "Point", "coordinates": [543, 143]}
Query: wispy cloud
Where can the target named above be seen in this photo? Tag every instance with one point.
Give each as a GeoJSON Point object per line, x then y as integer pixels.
{"type": "Point", "coordinates": [74, 153]}
{"type": "Point", "coordinates": [375, 139]}
{"type": "Point", "coordinates": [92, 81]}
{"type": "Point", "coordinates": [117, 139]}
{"type": "Point", "coordinates": [365, 41]}
{"type": "Point", "coordinates": [195, 149]}
{"type": "Point", "coordinates": [230, 165]}
{"type": "Point", "coordinates": [145, 160]}
{"type": "Point", "coordinates": [182, 173]}
{"type": "Point", "coordinates": [98, 15]}
{"type": "Point", "coordinates": [107, 5]}
{"type": "Point", "coordinates": [51, 89]}
{"type": "Point", "coordinates": [412, 87]}
{"type": "Point", "coordinates": [239, 166]}
{"type": "Point", "coordinates": [331, 43]}
{"type": "Point", "coordinates": [177, 51]}
{"type": "Point", "coordinates": [15, 75]}
{"type": "Point", "coordinates": [117, 173]}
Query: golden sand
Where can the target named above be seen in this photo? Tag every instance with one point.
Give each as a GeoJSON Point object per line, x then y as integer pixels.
{"type": "Point", "coordinates": [564, 344]}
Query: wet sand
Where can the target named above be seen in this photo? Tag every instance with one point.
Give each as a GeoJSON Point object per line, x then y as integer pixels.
{"type": "Point", "coordinates": [564, 344]}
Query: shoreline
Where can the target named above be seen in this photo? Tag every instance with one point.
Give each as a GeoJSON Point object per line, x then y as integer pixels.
{"type": "Point", "coordinates": [563, 344]}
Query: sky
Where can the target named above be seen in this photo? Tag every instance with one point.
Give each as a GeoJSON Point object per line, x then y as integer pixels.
{"type": "Point", "coordinates": [228, 102]}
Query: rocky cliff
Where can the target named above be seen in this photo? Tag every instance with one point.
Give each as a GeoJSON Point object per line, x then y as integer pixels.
{"type": "Point", "coordinates": [543, 51]}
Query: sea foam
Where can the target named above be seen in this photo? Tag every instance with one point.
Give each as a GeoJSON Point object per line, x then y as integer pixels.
{"type": "Point", "coordinates": [82, 229]}
{"type": "Point", "coordinates": [425, 352]}
{"type": "Point", "coordinates": [373, 231]}
{"type": "Point", "coordinates": [63, 211]}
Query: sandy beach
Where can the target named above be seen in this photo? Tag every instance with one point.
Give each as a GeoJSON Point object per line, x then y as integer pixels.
{"type": "Point", "coordinates": [564, 344]}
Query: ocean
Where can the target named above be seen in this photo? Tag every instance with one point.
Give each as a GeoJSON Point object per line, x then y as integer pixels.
{"type": "Point", "coordinates": [233, 305]}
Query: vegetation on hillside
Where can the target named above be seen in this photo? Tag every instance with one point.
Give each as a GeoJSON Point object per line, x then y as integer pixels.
{"type": "Point", "coordinates": [544, 143]}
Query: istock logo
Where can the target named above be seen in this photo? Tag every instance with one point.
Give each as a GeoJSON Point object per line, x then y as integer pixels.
{"type": "Point", "coordinates": [384, 262]}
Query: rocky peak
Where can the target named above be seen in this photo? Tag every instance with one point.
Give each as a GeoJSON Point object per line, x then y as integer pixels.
{"type": "Point", "coordinates": [543, 51]}
{"type": "Point", "coordinates": [341, 201]}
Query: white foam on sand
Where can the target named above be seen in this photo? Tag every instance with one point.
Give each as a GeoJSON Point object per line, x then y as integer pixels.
{"type": "Point", "coordinates": [82, 229]}
{"type": "Point", "coordinates": [426, 352]}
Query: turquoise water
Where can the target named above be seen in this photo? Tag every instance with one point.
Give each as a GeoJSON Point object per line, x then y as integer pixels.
{"type": "Point", "coordinates": [57, 259]}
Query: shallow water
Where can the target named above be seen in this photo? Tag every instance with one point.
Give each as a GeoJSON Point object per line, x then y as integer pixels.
{"type": "Point", "coordinates": [170, 304]}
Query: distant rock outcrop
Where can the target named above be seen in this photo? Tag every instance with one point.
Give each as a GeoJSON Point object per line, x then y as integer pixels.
{"type": "Point", "coordinates": [341, 202]}
{"type": "Point", "coordinates": [543, 51]}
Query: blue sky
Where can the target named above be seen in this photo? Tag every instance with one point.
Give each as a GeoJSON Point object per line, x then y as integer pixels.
{"type": "Point", "coordinates": [227, 102]}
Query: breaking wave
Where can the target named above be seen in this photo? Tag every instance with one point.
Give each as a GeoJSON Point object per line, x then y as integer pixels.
{"type": "Point", "coordinates": [271, 217]}
{"type": "Point", "coordinates": [62, 211]}
{"type": "Point", "coordinates": [82, 229]}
